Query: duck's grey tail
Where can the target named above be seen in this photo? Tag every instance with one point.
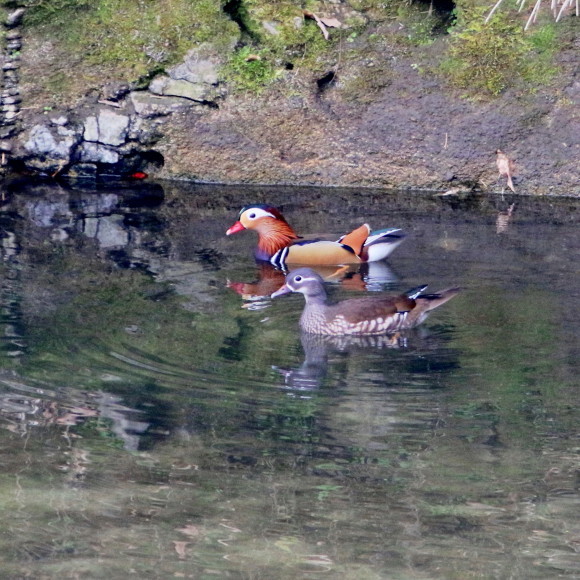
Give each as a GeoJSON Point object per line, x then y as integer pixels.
{"type": "Point", "coordinates": [431, 301]}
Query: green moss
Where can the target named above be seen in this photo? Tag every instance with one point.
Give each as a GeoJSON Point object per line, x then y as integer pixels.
{"type": "Point", "coordinates": [488, 58]}
{"type": "Point", "coordinates": [485, 58]}
{"type": "Point", "coordinates": [57, 11]}
{"type": "Point", "coordinates": [285, 32]}
{"type": "Point", "coordinates": [368, 81]}
{"type": "Point", "coordinates": [418, 25]}
{"type": "Point", "coordinates": [134, 39]}
{"type": "Point", "coordinates": [131, 37]}
{"type": "Point", "coordinates": [281, 39]}
{"type": "Point", "coordinates": [250, 71]}
{"type": "Point", "coordinates": [544, 41]}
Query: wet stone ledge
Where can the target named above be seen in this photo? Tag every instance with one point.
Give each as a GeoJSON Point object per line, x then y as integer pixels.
{"type": "Point", "coordinates": [110, 134]}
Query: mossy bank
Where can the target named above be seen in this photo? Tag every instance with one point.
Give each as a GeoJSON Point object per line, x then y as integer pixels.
{"type": "Point", "coordinates": [358, 93]}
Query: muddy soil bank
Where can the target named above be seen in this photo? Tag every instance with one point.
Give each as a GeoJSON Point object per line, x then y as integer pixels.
{"type": "Point", "coordinates": [414, 134]}
{"type": "Point", "coordinates": [410, 130]}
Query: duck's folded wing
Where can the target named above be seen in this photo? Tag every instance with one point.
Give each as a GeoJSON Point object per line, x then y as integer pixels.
{"type": "Point", "coordinates": [356, 239]}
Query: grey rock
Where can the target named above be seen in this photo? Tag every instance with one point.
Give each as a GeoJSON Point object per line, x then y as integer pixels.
{"type": "Point", "coordinates": [10, 78]}
{"type": "Point", "coordinates": [91, 131]}
{"type": "Point", "coordinates": [97, 153]}
{"type": "Point", "coordinates": [59, 121]}
{"type": "Point", "coordinates": [166, 86]}
{"type": "Point", "coordinates": [7, 131]}
{"type": "Point", "coordinates": [298, 22]}
{"type": "Point", "coordinates": [115, 90]}
{"type": "Point", "coordinates": [196, 68]}
{"type": "Point", "coordinates": [144, 131]}
{"type": "Point", "coordinates": [271, 28]}
{"type": "Point", "coordinates": [147, 105]}
{"type": "Point", "coordinates": [42, 142]}
{"type": "Point", "coordinates": [112, 127]}
{"type": "Point", "coordinates": [64, 131]}
{"type": "Point", "coordinates": [109, 128]}
{"type": "Point", "coordinates": [15, 18]}
{"type": "Point", "coordinates": [12, 100]}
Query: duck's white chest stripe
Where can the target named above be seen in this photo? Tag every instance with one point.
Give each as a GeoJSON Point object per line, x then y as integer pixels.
{"type": "Point", "coordinates": [339, 325]}
{"type": "Point", "coordinates": [279, 258]}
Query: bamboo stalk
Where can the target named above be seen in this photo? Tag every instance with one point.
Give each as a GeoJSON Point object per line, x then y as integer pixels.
{"type": "Point", "coordinates": [493, 10]}
{"type": "Point", "coordinates": [557, 11]}
{"type": "Point", "coordinates": [533, 15]}
{"type": "Point", "coordinates": [565, 5]}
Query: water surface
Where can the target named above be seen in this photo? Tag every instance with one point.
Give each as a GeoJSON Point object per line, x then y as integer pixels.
{"type": "Point", "coordinates": [161, 419]}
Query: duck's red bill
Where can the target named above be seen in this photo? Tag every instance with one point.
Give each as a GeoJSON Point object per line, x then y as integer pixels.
{"type": "Point", "coordinates": [237, 227]}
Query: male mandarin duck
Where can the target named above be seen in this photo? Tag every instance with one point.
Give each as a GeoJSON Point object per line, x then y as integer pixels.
{"type": "Point", "coordinates": [359, 316]}
{"type": "Point", "coordinates": [361, 278]}
{"type": "Point", "coordinates": [279, 244]}
{"type": "Point", "coordinates": [269, 280]}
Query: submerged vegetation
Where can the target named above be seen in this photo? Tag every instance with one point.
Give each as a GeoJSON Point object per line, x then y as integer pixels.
{"type": "Point", "coordinates": [262, 41]}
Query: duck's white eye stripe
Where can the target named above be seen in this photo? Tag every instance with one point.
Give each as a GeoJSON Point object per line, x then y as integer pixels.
{"type": "Point", "coordinates": [256, 213]}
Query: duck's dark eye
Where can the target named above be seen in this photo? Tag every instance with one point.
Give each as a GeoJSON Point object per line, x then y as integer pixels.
{"type": "Point", "coordinates": [298, 279]}
{"type": "Point", "coordinates": [252, 216]}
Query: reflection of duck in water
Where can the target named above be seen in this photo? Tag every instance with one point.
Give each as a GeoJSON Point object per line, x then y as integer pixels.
{"type": "Point", "coordinates": [310, 374]}
{"type": "Point", "coordinates": [279, 244]}
{"type": "Point", "coordinates": [371, 276]}
{"type": "Point", "coordinates": [373, 315]}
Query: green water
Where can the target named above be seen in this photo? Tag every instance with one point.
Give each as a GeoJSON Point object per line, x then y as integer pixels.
{"type": "Point", "coordinates": [157, 424]}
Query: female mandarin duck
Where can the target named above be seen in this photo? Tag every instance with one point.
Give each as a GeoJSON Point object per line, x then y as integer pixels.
{"type": "Point", "coordinates": [279, 244]}
{"type": "Point", "coordinates": [359, 316]}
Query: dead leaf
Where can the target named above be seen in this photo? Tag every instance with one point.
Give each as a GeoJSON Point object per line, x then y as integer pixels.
{"type": "Point", "coordinates": [190, 530]}
{"type": "Point", "coordinates": [331, 22]}
{"type": "Point", "coordinates": [253, 57]}
{"type": "Point", "coordinates": [501, 226]}
{"type": "Point", "coordinates": [67, 419]}
{"type": "Point", "coordinates": [180, 548]}
{"type": "Point", "coordinates": [319, 22]}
